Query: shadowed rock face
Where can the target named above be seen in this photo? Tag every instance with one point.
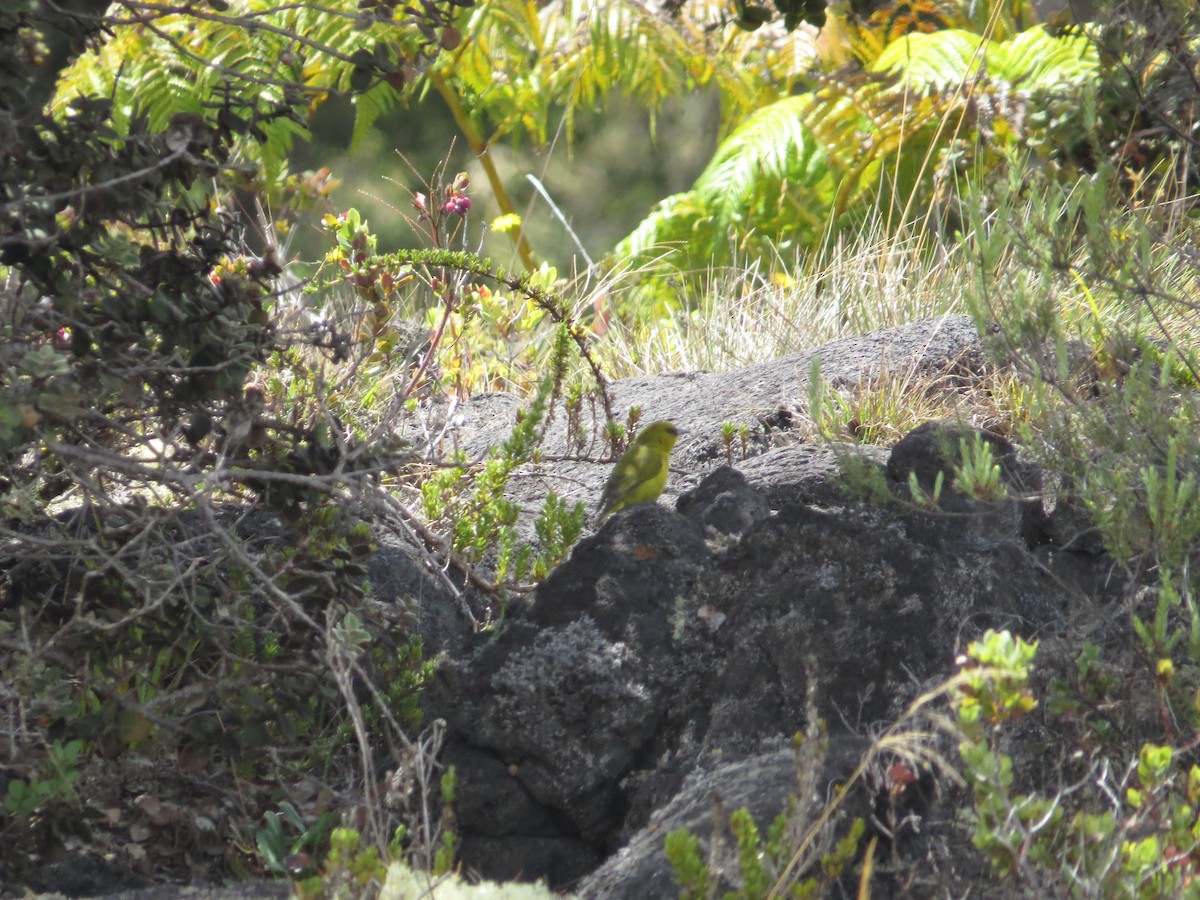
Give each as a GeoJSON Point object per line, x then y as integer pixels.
{"type": "Point", "coordinates": [669, 661]}
{"type": "Point", "coordinates": [648, 661]}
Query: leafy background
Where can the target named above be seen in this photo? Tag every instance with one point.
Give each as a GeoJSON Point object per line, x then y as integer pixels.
{"type": "Point", "coordinates": [223, 289]}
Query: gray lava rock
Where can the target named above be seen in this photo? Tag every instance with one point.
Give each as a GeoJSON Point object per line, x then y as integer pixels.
{"type": "Point", "coordinates": [648, 657]}
{"type": "Point", "coordinates": [725, 503]}
{"type": "Point", "coordinates": [668, 660]}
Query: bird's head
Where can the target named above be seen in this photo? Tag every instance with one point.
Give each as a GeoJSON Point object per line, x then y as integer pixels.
{"type": "Point", "coordinates": [659, 434]}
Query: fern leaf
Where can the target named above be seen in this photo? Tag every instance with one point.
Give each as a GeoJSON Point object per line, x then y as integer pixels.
{"type": "Point", "coordinates": [1037, 61]}
{"type": "Point", "coordinates": [680, 223]}
{"type": "Point", "coordinates": [806, 164]}
{"type": "Point", "coordinates": [939, 61]}
{"type": "Point", "coordinates": [255, 51]}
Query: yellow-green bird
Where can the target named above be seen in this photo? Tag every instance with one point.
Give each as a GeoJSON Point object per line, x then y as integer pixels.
{"type": "Point", "coordinates": [641, 473]}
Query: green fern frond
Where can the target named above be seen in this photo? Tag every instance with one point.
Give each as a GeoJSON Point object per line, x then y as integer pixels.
{"type": "Point", "coordinates": [520, 60]}
{"type": "Point", "coordinates": [808, 164]}
{"type": "Point", "coordinates": [254, 52]}
{"type": "Point", "coordinates": [939, 61]}
{"type": "Point", "coordinates": [676, 224]}
{"type": "Point", "coordinates": [774, 154]}
{"type": "Point", "coordinates": [771, 180]}
{"type": "Point", "coordinates": [1037, 61]}
{"type": "Point", "coordinates": [369, 107]}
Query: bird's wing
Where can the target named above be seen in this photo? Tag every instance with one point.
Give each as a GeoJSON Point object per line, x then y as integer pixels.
{"type": "Point", "coordinates": [645, 465]}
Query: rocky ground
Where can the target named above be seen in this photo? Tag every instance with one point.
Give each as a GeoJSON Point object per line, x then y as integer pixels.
{"type": "Point", "coordinates": [658, 677]}
{"type": "Point", "coordinates": [660, 673]}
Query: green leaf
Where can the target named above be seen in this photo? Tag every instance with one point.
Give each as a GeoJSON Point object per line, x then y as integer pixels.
{"type": "Point", "coordinates": [44, 362]}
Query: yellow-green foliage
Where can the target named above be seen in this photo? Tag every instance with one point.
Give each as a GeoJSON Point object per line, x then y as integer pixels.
{"type": "Point", "coordinates": [173, 64]}
{"type": "Point", "coordinates": [806, 165]}
{"type": "Point", "coordinates": [523, 60]}
{"type": "Point", "coordinates": [1130, 837]}
{"type": "Point", "coordinates": [403, 883]}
